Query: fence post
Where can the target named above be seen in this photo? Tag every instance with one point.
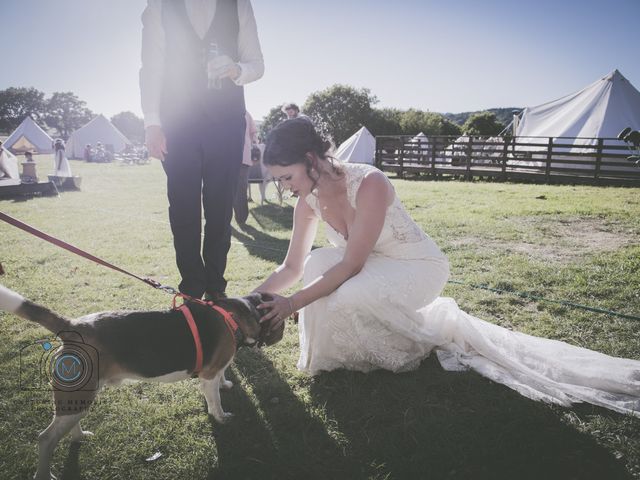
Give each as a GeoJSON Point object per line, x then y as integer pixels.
{"type": "Point", "coordinates": [432, 145]}
{"type": "Point", "coordinates": [467, 175]}
{"type": "Point", "coordinates": [547, 171]}
{"type": "Point", "coordinates": [598, 158]}
{"type": "Point", "coordinates": [505, 157]}
{"type": "Point", "coordinates": [401, 159]}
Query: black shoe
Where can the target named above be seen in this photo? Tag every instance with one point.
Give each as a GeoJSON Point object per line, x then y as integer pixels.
{"type": "Point", "coordinates": [214, 296]}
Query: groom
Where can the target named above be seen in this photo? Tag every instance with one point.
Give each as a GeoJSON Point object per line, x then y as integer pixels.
{"type": "Point", "coordinates": [196, 55]}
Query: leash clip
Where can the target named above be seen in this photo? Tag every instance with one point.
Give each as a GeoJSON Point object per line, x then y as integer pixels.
{"type": "Point", "coordinates": [168, 289]}
{"type": "Point", "coordinates": [159, 286]}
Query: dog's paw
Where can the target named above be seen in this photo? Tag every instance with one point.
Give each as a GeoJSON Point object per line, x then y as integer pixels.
{"type": "Point", "coordinates": [224, 418]}
{"type": "Point", "coordinates": [226, 385]}
{"type": "Point", "coordinates": [82, 436]}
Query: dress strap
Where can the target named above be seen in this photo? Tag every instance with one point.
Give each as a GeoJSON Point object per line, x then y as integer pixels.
{"type": "Point", "coordinates": [355, 172]}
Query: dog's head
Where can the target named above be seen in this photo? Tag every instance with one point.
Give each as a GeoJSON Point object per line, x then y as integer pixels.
{"type": "Point", "coordinates": [267, 335]}
{"type": "Point", "coordinates": [247, 315]}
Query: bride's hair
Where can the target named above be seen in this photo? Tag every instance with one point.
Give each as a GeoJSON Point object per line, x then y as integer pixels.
{"type": "Point", "coordinates": [290, 141]}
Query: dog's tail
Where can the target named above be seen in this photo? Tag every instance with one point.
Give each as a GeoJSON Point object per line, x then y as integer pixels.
{"type": "Point", "coordinates": [13, 302]}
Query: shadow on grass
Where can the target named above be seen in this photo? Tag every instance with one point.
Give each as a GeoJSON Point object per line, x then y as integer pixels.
{"type": "Point", "coordinates": [71, 468]}
{"type": "Point", "coordinates": [271, 216]}
{"type": "Point", "coordinates": [261, 245]}
{"type": "Point", "coordinates": [436, 424]}
{"type": "Point", "coordinates": [276, 436]}
{"type": "Point", "coordinates": [20, 199]}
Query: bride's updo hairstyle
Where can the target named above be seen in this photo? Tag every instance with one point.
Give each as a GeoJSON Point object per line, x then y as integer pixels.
{"type": "Point", "coordinates": [290, 141]}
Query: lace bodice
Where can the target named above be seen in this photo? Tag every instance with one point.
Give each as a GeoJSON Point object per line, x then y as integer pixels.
{"type": "Point", "coordinates": [400, 237]}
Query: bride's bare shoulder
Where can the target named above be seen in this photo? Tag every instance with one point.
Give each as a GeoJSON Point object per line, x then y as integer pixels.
{"type": "Point", "coordinates": [375, 185]}
{"type": "Point", "coordinates": [304, 209]}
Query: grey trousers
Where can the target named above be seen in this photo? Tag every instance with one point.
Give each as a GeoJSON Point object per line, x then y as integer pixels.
{"type": "Point", "coordinates": [241, 203]}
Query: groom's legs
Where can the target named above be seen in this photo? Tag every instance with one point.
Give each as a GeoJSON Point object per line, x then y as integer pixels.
{"type": "Point", "coordinates": [223, 148]}
{"type": "Point", "coordinates": [183, 166]}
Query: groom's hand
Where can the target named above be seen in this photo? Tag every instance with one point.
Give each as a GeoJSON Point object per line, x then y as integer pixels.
{"type": "Point", "coordinates": [155, 141]}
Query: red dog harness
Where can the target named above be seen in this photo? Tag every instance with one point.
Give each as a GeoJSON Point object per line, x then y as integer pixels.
{"type": "Point", "coordinates": [227, 316]}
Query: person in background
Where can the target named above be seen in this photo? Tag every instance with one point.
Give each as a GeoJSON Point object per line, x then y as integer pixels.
{"type": "Point", "coordinates": [88, 153]}
{"type": "Point", "coordinates": [291, 110]}
{"type": "Point", "coordinates": [100, 153]}
{"type": "Point", "coordinates": [241, 202]}
{"type": "Point", "coordinates": [61, 164]}
{"type": "Point", "coordinates": [255, 172]}
{"type": "Point", "coordinates": [196, 57]}
{"type": "Point", "coordinates": [4, 171]}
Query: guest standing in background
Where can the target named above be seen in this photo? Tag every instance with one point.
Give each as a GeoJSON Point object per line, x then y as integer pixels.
{"type": "Point", "coordinates": [241, 203]}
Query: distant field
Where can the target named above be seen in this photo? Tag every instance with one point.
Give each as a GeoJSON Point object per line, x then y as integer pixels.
{"type": "Point", "coordinates": [561, 242]}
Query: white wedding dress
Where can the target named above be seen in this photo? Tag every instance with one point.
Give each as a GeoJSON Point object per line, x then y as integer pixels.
{"type": "Point", "coordinates": [61, 165]}
{"type": "Point", "coordinates": [390, 316]}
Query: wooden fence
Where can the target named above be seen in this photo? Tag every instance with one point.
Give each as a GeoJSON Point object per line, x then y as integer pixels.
{"type": "Point", "coordinates": [598, 161]}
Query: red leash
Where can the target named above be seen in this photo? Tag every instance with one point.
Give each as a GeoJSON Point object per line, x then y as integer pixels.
{"type": "Point", "coordinates": [228, 318]}
{"type": "Point", "coordinates": [59, 243]}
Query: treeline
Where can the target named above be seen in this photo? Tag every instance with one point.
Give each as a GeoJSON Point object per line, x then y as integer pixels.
{"type": "Point", "coordinates": [341, 110]}
{"type": "Point", "coordinates": [337, 111]}
{"type": "Point", "coordinates": [503, 115]}
{"type": "Point", "coordinates": [61, 113]}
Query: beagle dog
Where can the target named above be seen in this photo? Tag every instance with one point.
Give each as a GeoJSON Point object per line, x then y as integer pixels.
{"type": "Point", "coordinates": [107, 348]}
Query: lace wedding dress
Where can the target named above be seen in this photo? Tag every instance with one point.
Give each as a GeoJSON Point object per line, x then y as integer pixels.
{"type": "Point", "coordinates": [390, 316]}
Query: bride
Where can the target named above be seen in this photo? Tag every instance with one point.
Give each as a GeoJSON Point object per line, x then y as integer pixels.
{"type": "Point", "coordinates": [371, 300]}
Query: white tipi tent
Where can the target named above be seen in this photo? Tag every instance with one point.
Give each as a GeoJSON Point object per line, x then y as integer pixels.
{"type": "Point", "coordinates": [600, 110]}
{"type": "Point", "coordinates": [9, 172]}
{"type": "Point", "coordinates": [29, 137]}
{"type": "Point", "coordinates": [358, 148]}
{"type": "Point", "coordinates": [97, 130]}
{"type": "Point", "coordinates": [421, 139]}
{"type": "Point", "coordinates": [419, 147]}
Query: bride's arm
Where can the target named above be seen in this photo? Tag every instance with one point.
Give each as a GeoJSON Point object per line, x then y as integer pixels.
{"type": "Point", "coordinates": [305, 225]}
{"type": "Point", "coordinates": [373, 197]}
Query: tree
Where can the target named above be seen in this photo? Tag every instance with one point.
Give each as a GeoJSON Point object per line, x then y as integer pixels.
{"type": "Point", "coordinates": [503, 115]}
{"type": "Point", "coordinates": [130, 125]}
{"type": "Point", "coordinates": [384, 121]}
{"type": "Point", "coordinates": [18, 103]}
{"type": "Point", "coordinates": [66, 112]}
{"type": "Point", "coordinates": [415, 121]}
{"type": "Point", "coordinates": [482, 123]}
{"type": "Point", "coordinates": [273, 118]}
{"type": "Point", "coordinates": [340, 110]}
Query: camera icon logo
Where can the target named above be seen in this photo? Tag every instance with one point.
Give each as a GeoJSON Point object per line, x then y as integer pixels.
{"type": "Point", "coordinates": [54, 364]}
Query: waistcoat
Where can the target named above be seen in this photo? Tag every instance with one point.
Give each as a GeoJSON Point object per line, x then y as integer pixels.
{"type": "Point", "coordinates": [184, 90]}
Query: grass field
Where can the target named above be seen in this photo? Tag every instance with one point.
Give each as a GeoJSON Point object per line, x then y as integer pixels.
{"type": "Point", "coordinates": [561, 242]}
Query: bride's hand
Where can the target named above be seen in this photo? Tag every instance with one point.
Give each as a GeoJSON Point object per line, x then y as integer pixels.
{"type": "Point", "coordinates": [279, 309]}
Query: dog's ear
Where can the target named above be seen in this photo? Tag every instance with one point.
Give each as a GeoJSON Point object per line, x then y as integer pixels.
{"type": "Point", "coordinates": [258, 298]}
{"type": "Point", "coordinates": [270, 337]}
{"type": "Point", "coordinates": [266, 337]}
{"type": "Point", "coordinates": [266, 297]}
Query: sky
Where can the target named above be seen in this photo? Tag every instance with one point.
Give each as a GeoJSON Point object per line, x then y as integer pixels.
{"type": "Point", "coordinates": [436, 55]}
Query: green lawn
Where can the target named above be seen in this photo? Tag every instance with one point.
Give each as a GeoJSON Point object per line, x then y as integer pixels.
{"type": "Point", "coordinates": [561, 242]}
